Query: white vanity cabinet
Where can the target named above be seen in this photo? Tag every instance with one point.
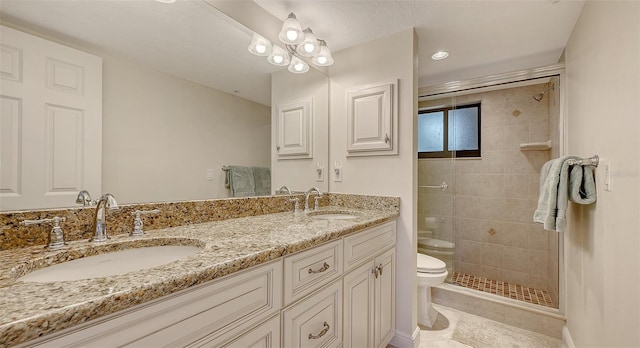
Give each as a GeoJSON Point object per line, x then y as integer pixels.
{"type": "Point", "coordinates": [338, 294]}
{"type": "Point", "coordinates": [369, 287]}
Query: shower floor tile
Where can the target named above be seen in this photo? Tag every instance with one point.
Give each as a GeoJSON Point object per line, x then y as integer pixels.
{"type": "Point", "coordinates": [514, 291]}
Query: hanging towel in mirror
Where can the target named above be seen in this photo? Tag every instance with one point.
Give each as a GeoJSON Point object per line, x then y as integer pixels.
{"type": "Point", "coordinates": [240, 180]}
{"type": "Point", "coordinates": [262, 179]}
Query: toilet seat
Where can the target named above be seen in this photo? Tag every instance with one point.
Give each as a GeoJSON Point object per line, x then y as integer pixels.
{"type": "Point", "coordinates": [428, 264]}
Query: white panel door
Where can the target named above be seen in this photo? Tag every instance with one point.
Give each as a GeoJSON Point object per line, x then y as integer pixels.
{"type": "Point", "coordinates": [51, 122]}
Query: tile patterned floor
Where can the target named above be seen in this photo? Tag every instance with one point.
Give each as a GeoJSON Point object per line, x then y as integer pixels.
{"type": "Point", "coordinates": [514, 291]}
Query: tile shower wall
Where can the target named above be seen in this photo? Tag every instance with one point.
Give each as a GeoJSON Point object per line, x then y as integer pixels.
{"type": "Point", "coordinates": [490, 201]}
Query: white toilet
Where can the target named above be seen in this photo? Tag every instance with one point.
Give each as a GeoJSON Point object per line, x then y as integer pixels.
{"type": "Point", "coordinates": [431, 272]}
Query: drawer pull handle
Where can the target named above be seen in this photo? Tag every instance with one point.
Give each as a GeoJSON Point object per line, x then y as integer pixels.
{"type": "Point", "coordinates": [322, 333]}
{"type": "Point", "coordinates": [320, 270]}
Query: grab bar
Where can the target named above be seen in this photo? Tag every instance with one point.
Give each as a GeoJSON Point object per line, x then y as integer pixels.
{"type": "Point", "coordinates": [443, 186]}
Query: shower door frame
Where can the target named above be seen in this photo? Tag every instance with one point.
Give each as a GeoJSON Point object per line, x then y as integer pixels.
{"type": "Point", "coordinates": [495, 82]}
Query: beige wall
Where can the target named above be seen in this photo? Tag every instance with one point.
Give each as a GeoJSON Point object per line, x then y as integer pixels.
{"type": "Point", "coordinates": [300, 174]}
{"type": "Point", "coordinates": [487, 209]}
{"type": "Point", "coordinates": [603, 239]}
{"type": "Point", "coordinates": [383, 175]}
{"type": "Point", "coordinates": [162, 133]}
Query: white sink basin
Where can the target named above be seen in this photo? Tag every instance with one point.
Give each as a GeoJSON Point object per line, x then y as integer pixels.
{"type": "Point", "coordinates": [333, 216]}
{"type": "Point", "coordinates": [109, 264]}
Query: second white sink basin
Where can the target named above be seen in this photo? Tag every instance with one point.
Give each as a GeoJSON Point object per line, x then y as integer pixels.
{"type": "Point", "coordinates": [109, 264]}
{"type": "Point", "coordinates": [332, 216]}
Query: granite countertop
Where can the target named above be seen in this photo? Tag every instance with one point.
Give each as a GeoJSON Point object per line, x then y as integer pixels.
{"type": "Point", "coordinates": [30, 310]}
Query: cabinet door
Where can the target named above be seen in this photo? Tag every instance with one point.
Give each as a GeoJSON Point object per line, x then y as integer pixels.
{"type": "Point", "coordinates": [265, 335]}
{"type": "Point", "coordinates": [385, 299]}
{"type": "Point", "coordinates": [295, 130]}
{"type": "Point", "coordinates": [372, 119]}
{"type": "Point", "coordinates": [358, 307]}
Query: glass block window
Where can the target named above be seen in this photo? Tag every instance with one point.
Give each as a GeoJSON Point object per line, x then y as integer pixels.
{"type": "Point", "coordinates": [449, 132]}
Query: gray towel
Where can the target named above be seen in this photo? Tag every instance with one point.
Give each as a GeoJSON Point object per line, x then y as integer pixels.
{"type": "Point", "coordinates": [557, 186]}
{"type": "Point", "coordinates": [582, 185]}
{"type": "Point", "coordinates": [240, 181]}
{"type": "Point", "coordinates": [262, 179]}
{"type": "Point", "coordinates": [553, 200]}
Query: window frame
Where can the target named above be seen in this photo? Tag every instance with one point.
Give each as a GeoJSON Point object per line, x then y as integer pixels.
{"type": "Point", "coordinates": [445, 142]}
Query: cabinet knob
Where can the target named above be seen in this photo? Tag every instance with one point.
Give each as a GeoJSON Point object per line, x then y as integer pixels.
{"type": "Point", "coordinates": [321, 333]}
{"type": "Point", "coordinates": [277, 147]}
{"type": "Point", "coordinates": [380, 268]}
{"type": "Point", "coordinates": [386, 138]}
{"type": "Point", "coordinates": [375, 272]}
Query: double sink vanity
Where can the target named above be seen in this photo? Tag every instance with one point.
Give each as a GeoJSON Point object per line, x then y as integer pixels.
{"type": "Point", "coordinates": [323, 278]}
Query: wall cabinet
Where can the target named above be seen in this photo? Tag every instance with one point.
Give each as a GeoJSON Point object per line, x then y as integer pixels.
{"type": "Point", "coordinates": [295, 130]}
{"type": "Point", "coordinates": [372, 121]}
{"type": "Point", "coordinates": [297, 301]}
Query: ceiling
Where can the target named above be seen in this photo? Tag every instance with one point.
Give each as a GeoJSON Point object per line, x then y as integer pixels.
{"type": "Point", "coordinates": [191, 40]}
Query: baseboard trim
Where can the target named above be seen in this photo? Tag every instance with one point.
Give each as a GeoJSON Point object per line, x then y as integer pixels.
{"type": "Point", "coordinates": [566, 337]}
{"type": "Point", "coordinates": [402, 341]}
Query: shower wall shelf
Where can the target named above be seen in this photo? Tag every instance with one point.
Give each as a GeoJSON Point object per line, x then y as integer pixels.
{"type": "Point", "coordinates": [540, 146]}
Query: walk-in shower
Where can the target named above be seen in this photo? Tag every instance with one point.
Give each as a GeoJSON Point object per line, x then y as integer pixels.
{"type": "Point", "coordinates": [481, 223]}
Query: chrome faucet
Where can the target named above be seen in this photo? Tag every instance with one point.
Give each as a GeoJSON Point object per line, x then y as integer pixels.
{"type": "Point", "coordinates": [84, 198]}
{"type": "Point", "coordinates": [306, 199]}
{"type": "Point", "coordinates": [100, 219]}
{"type": "Point", "coordinates": [283, 190]}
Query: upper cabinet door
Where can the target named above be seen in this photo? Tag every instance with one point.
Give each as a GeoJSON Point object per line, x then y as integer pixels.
{"type": "Point", "coordinates": [295, 130]}
{"type": "Point", "coordinates": [50, 122]}
{"type": "Point", "coordinates": [372, 120]}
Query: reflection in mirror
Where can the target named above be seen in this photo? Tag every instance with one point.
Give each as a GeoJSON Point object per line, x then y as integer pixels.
{"type": "Point", "coordinates": [181, 96]}
{"type": "Point", "coordinates": [490, 198]}
{"type": "Point", "coordinates": [299, 154]}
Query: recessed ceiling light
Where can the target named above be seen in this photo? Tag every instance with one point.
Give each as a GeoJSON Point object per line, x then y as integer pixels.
{"type": "Point", "coordinates": [440, 55]}
{"type": "Point", "coordinates": [166, 1]}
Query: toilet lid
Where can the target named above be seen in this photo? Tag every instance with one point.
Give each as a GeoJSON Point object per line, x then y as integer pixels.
{"type": "Point", "coordinates": [429, 264]}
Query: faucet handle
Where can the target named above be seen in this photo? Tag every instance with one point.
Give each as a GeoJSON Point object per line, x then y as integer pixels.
{"type": "Point", "coordinates": [56, 236]}
{"type": "Point", "coordinates": [137, 222]}
{"type": "Point", "coordinates": [316, 203]}
{"type": "Point", "coordinates": [296, 209]}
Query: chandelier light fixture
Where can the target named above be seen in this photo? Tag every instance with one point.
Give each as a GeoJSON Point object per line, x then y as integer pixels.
{"type": "Point", "coordinates": [297, 43]}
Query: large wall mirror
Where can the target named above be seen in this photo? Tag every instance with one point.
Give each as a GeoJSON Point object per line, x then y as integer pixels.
{"type": "Point", "coordinates": [181, 97]}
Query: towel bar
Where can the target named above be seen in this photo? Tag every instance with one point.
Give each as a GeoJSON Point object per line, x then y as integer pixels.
{"type": "Point", "coordinates": [443, 186]}
{"type": "Point", "coordinates": [592, 161]}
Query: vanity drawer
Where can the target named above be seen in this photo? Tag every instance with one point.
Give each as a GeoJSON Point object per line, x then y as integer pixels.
{"type": "Point", "coordinates": [310, 270]}
{"type": "Point", "coordinates": [361, 246]}
{"type": "Point", "coordinates": [316, 321]}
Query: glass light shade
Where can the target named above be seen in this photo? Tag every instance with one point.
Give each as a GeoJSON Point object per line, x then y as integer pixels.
{"type": "Point", "coordinates": [323, 58]}
{"type": "Point", "coordinates": [309, 47]}
{"type": "Point", "coordinates": [291, 32]}
{"type": "Point", "coordinates": [260, 46]}
{"type": "Point", "coordinates": [279, 56]}
{"type": "Point", "coordinates": [298, 66]}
